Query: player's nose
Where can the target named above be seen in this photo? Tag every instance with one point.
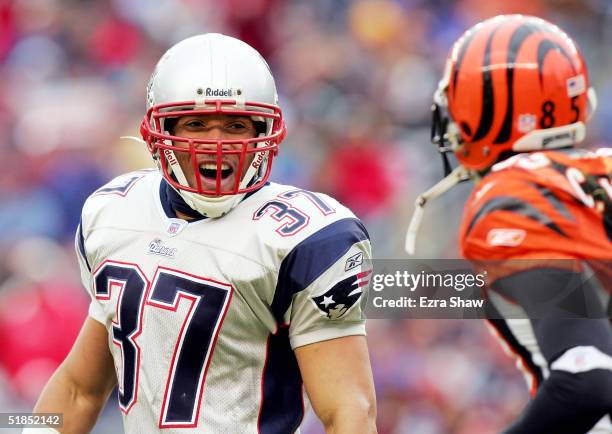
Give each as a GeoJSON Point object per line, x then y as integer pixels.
{"type": "Point", "coordinates": [212, 136]}
{"type": "Point", "coordinates": [214, 132]}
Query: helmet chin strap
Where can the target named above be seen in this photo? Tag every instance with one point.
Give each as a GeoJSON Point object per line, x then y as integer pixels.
{"type": "Point", "coordinates": [212, 207]}
{"type": "Point", "coordinates": [459, 174]}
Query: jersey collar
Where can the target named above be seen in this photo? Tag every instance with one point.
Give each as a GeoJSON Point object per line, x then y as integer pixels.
{"type": "Point", "coordinates": [171, 202]}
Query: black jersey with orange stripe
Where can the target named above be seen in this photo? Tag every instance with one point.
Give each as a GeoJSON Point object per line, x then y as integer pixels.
{"type": "Point", "coordinates": [542, 205]}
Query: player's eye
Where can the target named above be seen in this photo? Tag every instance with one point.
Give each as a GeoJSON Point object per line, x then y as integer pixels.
{"type": "Point", "coordinates": [237, 127]}
{"type": "Point", "coordinates": [194, 123]}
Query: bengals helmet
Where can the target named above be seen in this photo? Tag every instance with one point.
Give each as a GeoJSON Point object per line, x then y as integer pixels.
{"type": "Point", "coordinates": [512, 83]}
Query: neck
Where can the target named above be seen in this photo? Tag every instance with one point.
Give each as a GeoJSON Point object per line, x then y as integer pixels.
{"type": "Point", "coordinates": [180, 208]}
{"type": "Point", "coordinates": [183, 216]}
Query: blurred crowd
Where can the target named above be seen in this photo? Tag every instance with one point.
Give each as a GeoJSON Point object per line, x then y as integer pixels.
{"type": "Point", "coordinates": [355, 79]}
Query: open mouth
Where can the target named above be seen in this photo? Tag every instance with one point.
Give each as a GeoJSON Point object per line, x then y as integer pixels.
{"type": "Point", "coordinates": [209, 171]}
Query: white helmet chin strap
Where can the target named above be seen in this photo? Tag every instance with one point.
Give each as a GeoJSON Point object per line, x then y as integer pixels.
{"type": "Point", "coordinates": [211, 206]}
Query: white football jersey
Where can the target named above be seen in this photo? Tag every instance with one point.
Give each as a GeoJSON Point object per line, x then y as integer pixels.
{"type": "Point", "coordinates": [203, 317]}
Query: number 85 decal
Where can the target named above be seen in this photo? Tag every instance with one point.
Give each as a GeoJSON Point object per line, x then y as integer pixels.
{"type": "Point", "coordinates": [193, 350]}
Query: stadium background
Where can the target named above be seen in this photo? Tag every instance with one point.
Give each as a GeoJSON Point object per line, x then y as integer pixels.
{"type": "Point", "coordinates": [355, 81]}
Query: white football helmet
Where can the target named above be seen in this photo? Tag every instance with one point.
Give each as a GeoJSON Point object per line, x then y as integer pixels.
{"type": "Point", "coordinates": [213, 74]}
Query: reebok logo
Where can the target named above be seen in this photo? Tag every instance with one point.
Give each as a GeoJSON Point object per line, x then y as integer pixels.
{"type": "Point", "coordinates": [505, 237]}
{"type": "Point", "coordinates": [353, 261]}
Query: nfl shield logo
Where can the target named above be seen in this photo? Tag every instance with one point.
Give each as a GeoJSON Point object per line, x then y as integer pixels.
{"type": "Point", "coordinates": [527, 122]}
{"type": "Point", "coordinates": [175, 226]}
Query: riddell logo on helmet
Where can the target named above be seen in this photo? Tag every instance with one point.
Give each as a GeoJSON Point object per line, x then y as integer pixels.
{"type": "Point", "coordinates": [170, 156]}
{"type": "Point", "coordinates": [257, 162]}
{"type": "Point", "coordinates": [221, 92]}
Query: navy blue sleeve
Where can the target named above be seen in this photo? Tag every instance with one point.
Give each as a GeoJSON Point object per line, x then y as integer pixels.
{"type": "Point", "coordinates": [312, 257]}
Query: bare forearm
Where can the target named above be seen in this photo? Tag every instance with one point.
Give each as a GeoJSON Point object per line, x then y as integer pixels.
{"type": "Point", "coordinates": [342, 394]}
{"type": "Point", "coordinates": [80, 410]}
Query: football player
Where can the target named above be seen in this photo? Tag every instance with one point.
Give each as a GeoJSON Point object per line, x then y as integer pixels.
{"type": "Point", "coordinates": [511, 106]}
{"type": "Point", "coordinates": [217, 297]}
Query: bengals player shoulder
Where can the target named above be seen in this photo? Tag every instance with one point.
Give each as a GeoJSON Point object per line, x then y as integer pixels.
{"type": "Point", "coordinates": [542, 205]}
{"type": "Point", "coordinates": [512, 104]}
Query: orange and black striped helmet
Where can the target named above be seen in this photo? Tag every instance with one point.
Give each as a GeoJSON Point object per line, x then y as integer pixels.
{"type": "Point", "coordinates": [512, 83]}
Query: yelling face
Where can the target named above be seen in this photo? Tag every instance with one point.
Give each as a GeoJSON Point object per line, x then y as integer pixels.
{"type": "Point", "coordinates": [214, 127]}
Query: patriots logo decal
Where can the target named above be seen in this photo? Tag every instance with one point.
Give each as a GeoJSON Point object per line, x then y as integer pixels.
{"type": "Point", "coordinates": [343, 295]}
